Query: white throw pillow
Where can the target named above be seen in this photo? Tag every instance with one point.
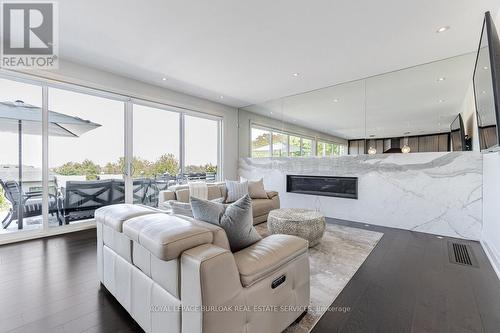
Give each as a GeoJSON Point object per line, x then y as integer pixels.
{"type": "Point", "coordinates": [236, 190]}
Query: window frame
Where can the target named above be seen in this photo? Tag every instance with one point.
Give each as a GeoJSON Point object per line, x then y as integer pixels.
{"type": "Point", "coordinates": [128, 100]}
{"type": "Point", "coordinates": [272, 130]}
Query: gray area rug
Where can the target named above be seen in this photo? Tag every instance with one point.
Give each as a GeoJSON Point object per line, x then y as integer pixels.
{"type": "Point", "coordinates": [333, 263]}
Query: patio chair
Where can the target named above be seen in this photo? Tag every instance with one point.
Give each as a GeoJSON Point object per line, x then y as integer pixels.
{"type": "Point", "coordinates": [82, 198]}
{"type": "Point", "coordinates": [32, 202]}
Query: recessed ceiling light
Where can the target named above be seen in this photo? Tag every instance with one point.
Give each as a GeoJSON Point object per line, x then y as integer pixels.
{"type": "Point", "coordinates": [441, 79]}
{"type": "Point", "coordinates": [442, 29]}
{"type": "Point", "coordinates": [439, 237]}
{"type": "Point", "coordinates": [484, 91]}
{"type": "Point", "coordinates": [485, 67]}
{"type": "Point", "coordinates": [271, 112]}
{"type": "Point", "coordinates": [164, 79]}
{"type": "Point", "coordinates": [441, 101]}
{"type": "Point", "coordinates": [221, 97]}
{"type": "Point", "coordinates": [295, 74]}
{"type": "Point", "coordinates": [335, 100]}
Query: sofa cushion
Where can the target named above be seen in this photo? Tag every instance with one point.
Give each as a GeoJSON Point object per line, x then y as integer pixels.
{"type": "Point", "coordinates": [219, 235]}
{"type": "Point", "coordinates": [115, 215]}
{"type": "Point", "coordinates": [236, 220]}
{"type": "Point", "coordinates": [182, 194]}
{"type": "Point", "coordinates": [261, 206]}
{"type": "Point", "coordinates": [214, 192]}
{"type": "Point", "coordinates": [267, 255]}
{"type": "Point", "coordinates": [166, 236]}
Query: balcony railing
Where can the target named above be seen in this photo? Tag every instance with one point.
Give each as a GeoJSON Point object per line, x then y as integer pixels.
{"type": "Point", "coordinates": [76, 200]}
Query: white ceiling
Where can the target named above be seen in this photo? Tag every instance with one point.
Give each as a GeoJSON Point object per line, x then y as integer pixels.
{"type": "Point", "coordinates": [247, 51]}
{"type": "Point", "coordinates": [411, 100]}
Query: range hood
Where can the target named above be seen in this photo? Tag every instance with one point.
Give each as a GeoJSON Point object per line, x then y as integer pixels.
{"type": "Point", "coordinates": [392, 146]}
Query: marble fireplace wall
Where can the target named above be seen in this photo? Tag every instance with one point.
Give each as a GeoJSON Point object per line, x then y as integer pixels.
{"type": "Point", "coordinates": [438, 193]}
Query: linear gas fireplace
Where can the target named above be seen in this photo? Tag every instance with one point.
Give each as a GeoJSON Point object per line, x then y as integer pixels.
{"type": "Point", "coordinates": [343, 187]}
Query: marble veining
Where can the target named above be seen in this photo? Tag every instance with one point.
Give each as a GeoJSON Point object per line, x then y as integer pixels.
{"type": "Point", "coordinates": [438, 193]}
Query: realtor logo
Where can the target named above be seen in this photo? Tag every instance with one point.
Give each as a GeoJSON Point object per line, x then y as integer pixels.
{"type": "Point", "coordinates": [29, 35]}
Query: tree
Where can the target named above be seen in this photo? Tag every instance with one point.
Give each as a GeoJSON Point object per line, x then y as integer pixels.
{"type": "Point", "coordinates": [4, 204]}
{"type": "Point", "coordinates": [167, 163]}
{"type": "Point", "coordinates": [114, 168]}
{"type": "Point", "coordinates": [87, 168]}
{"type": "Point", "coordinates": [209, 167]}
{"type": "Point", "coordinates": [90, 169]}
{"type": "Point", "coordinates": [261, 141]}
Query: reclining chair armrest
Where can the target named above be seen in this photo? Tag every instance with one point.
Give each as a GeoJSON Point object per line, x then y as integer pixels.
{"type": "Point", "coordinates": [264, 257]}
{"type": "Point", "coordinates": [165, 195]}
{"type": "Point", "coordinates": [275, 199]}
{"type": "Point", "coordinates": [272, 194]}
{"type": "Point", "coordinates": [210, 277]}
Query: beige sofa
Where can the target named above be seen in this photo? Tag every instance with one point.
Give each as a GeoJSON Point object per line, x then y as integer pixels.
{"type": "Point", "coordinates": [176, 274]}
{"type": "Point", "coordinates": [260, 207]}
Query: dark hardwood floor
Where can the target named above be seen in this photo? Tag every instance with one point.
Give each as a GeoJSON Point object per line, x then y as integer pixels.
{"type": "Point", "coordinates": [50, 285]}
{"type": "Point", "coordinates": [405, 285]}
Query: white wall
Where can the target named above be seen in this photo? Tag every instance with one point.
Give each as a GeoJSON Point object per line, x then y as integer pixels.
{"type": "Point", "coordinates": [490, 237]}
{"type": "Point", "coordinates": [246, 119]}
{"type": "Point", "coordinates": [81, 75]}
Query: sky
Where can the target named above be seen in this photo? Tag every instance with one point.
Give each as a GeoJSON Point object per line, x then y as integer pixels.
{"type": "Point", "coordinates": [156, 131]}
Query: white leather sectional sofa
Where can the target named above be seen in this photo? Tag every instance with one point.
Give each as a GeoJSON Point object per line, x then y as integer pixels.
{"type": "Point", "coordinates": [177, 274]}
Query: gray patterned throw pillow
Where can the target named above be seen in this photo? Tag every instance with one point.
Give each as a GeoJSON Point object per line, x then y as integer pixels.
{"type": "Point", "coordinates": [236, 220]}
{"type": "Point", "coordinates": [236, 190]}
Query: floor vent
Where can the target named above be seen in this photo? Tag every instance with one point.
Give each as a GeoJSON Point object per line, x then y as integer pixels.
{"type": "Point", "coordinates": [461, 254]}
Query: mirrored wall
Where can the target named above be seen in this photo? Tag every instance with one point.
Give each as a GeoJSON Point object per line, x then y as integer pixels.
{"type": "Point", "coordinates": [426, 108]}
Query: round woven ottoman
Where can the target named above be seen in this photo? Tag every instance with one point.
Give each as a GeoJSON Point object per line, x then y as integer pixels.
{"type": "Point", "coordinates": [304, 223]}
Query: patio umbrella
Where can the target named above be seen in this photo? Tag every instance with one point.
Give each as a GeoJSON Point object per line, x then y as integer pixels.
{"type": "Point", "coordinates": [18, 117]}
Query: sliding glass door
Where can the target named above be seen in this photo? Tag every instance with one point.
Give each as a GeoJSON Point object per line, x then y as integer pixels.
{"type": "Point", "coordinates": [201, 137]}
{"type": "Point", "coordinates": [156, 152]}
{"type": "Point", "coordinates": [68, 150]}
{"type": "Point", "coordinates": [86, 155]}
{"type": "Point", "coordinates": [20, 156]}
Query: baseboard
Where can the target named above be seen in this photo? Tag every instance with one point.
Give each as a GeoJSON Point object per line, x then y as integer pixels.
{"type": "Point", "coordinates": [493, 256]}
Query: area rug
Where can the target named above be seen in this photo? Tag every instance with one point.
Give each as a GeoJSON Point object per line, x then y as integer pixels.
{"type": "Point", "coordinates": [333, 263]}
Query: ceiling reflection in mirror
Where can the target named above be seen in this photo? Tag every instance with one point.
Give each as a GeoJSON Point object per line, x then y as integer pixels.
{"type": "Point", "coordinates": [409, 106]}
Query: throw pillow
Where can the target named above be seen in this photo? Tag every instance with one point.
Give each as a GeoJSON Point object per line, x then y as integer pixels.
{"type": "Point", "coordinates": [184, 208]}
{"type": "Point", "coordinates": [256, 188]}
{"type": "Point", "coordinates": [236, 220]}
{"type": "Point", "coordinates": [235, 190]}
